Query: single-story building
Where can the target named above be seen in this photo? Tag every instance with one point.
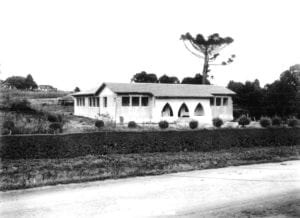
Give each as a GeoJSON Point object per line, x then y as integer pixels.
{"type": "Point", "coordinates": [153, 102]}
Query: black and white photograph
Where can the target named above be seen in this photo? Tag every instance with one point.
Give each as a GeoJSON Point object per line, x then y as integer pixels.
{"type": "Point", "coordinates": [139, 108]}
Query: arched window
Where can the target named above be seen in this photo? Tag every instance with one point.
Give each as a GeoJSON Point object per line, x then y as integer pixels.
{"type": "Point", "coordinates": [199, 110]}
{"type": "Point", "coordinates": [167, 111]}
{"type": "Point", "coordinates": [183, 111]}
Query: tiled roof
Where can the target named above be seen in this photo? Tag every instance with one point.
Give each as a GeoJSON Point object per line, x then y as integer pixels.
{"type": "Point", "coordinates": [164, 90]}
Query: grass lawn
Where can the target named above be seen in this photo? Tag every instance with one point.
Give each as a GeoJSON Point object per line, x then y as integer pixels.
{"type": "Point", "coordinates": [18, 174]}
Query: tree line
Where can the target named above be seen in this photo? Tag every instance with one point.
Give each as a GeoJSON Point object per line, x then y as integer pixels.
{"type": "Point", "coordinates": [144, 77]}
{"type": "Point", "coordinates": [20, 82]}
{"type": "Point", "coordinates": [280, 98]}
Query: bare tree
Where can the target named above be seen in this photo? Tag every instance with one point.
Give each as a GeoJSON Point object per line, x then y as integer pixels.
{"type": "Point", "coordinates": [207, 49]}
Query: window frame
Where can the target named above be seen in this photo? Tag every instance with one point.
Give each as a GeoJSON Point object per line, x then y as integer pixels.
{"type": "Point", "coordinates": [133, 103]}
{"type": "Point", "coordinates": [142, 102]}
{"type": "Point", "coordinates": [220, 101]}
{"type": "Point", "coordinates": [122, 101]}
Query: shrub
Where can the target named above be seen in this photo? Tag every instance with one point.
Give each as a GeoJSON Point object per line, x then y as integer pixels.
{"type": "Point", "coordinates": [132, 124]}
{"type": "Point", "coordinates": [265, 121]}
{"type": "Point", "coordinates": [125, 142]}
{"type": "Point", "coordinates": [53, 118]}
{"type": "Point", "coordinates": [292, 122]}
{"type": "Point", "coordinates": [243, 120]}
{"type": "Point", "coordinates": [217, 122]}
{"type": "Point", "coordinates": [193, 124]}
{"type": "Point", "coordinates": [163, 124]}
{"type": "Point", "coordinates": [8, 124]}
{"type": "Point", "coordinates": [21, 105]}
{"type": "Point", "coordinates": [99, 124]}
{"type": "Point", "coordinates": [56, 127]}
{"type": "Point", "coordinates": [276, 121]}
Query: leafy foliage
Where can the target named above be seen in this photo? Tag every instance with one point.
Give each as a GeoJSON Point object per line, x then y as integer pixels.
{"type": "Point", "coordinates": [20, 82]}
{"type": "Point", "coordinates": [163, 124]}
{"type": "Point", "coordinates": [193, 124]}
{"type": "Point", "coordinates": [77, 89]}
{"type": "Point", "coordinates": [197, 79]}
{"type": "Point", "coordinates": [167, 79]}
{"type": "Point", "coordinates": [217, 122]}
{"type": "Point", "coordinates": [278, 98]}
{"type": "Point", "coordinates": [144, 77]}
{"type": "Point", "coordinates": [56, 127]}
{"type": "Point", "coordinates": [207, 49]}
{"type": "Point", "coordinates": [276, 121]}
{"type": "Point", "coordinates": [101, 143]}
{"type": "Point", "coordinates": [99, 124]}
{"type": "Point", "coordinates": [244, 120]}
{"type": "Point", "coordinates": [292, 122]}
{"type": "Point", "coordinates": [132, 124]}
{"type": "Point", "coordinates": [265, 121]}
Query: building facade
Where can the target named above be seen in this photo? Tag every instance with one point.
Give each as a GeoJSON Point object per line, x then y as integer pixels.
{"type": "Point", "coordinates": [151, 102]}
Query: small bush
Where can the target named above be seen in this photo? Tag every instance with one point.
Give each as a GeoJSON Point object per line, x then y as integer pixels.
{"type": "Point", "coordinates": [56, 127]}
{"type": "Point", "coordinates": [21, 105]}
{"type": "Point", "coordinates": [8, 124]}
{"type": "Point", "coordinates": [193, 124]}
{"type": "Point", "coordinates": [276, 121]}
{"type": "Point", "coordinates": [132, 124]}
{"type": "Point", "coordinates": [99, 124]}
{"type": "Point", "coordinates": [217, 122]}
{"type": "Point", "coordinates": [243, 120]}
{"type": "Point", "coordinates": [292, 122]}
{"type": "Point", "coordinates": [163, 124]}
{"type": "Point", "coordinates": [265, 121]}
{"type": "Point", "coordinates": [52, 118]}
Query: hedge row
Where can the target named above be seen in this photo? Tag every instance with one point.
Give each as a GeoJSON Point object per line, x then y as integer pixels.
{"type": "Point", "coordinates": [99, 143]}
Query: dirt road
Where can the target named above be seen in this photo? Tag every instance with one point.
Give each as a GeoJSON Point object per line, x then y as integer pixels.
{"type": "Point", "coordinates": [205, 193]}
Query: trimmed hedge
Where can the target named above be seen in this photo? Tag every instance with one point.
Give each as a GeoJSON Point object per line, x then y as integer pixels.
{"type": "Point", "coordinates": [100, 143]}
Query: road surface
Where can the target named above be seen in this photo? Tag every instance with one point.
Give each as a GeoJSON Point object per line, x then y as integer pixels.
{"type": "Point", "coordinates": [187, 194]}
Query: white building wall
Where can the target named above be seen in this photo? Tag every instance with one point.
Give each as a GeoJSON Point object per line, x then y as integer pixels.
{"type": "Point", "coordinates": [108, 112]}
{"type": "Point", "coordinates": [225, 112]}
{"type": "Point", "coordinates": [139, 114]}
{"type": "Point", "coordinates": [176, 104]}
{"type": "Point", "coordinates": [85, 111]}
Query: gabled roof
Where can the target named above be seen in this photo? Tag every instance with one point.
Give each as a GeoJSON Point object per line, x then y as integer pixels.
{"type": "Point", "coordinates": [162, 89]}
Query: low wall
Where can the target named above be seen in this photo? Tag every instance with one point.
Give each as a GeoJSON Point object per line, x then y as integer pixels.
{"type": "Point", "coordinates": [99, 143]}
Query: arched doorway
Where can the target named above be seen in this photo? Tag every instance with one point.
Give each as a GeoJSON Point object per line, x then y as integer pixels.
{"type": "Point", "coordinates": [183, 111]}
{"type": "Point", "coordinates": [167, 111]}
{"type": "Point", "coordinates": [199, 110]}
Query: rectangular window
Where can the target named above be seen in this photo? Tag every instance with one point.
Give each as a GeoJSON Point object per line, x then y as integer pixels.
{"type": "Point", "coordinates": [105, 101]}
{"type": "Point", "coordinates": [125, 101]}
{"type": "Point", "coordinates": [145, 101]}
{"type": "Point", "coordinates": [218, 101]}
{"type": "Point", "coordinates": [135, 101]}
{"type": "Point", "coordinates": [90, 101]}
{"type": "Point", "coordinates": [225, 101]}
{"type": "Point", "coordinates": [212, 101]}
{"type": "Point", "coordinates": [97, 102]}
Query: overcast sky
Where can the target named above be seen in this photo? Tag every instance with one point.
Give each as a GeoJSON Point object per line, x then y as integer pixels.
{"type": "Point", "coordinates": [84, 43]}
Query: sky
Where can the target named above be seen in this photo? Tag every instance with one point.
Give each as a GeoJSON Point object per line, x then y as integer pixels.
{"type": "Point", "coordinates": [84, 43]}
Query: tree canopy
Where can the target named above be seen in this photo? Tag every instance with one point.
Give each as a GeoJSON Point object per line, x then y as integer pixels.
{"type": "Point", "coordinates": [168, 79]}
{"type": "Point", "coordinates": [197, 79]}
{"type": "Point", "coordinates": [282, 97]}
{"type": "Point", "coordinates": [77, 89]}
{"type": "Point", "coordinates": [20, 82]}
{"type": "Point", "coordinates": [207, 49]}
{"type": "Point", "coordinates": [144, 77]}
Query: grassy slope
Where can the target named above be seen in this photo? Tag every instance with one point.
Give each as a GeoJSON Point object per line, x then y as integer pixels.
{"type": "Point", "coordinates": [16, 174]}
